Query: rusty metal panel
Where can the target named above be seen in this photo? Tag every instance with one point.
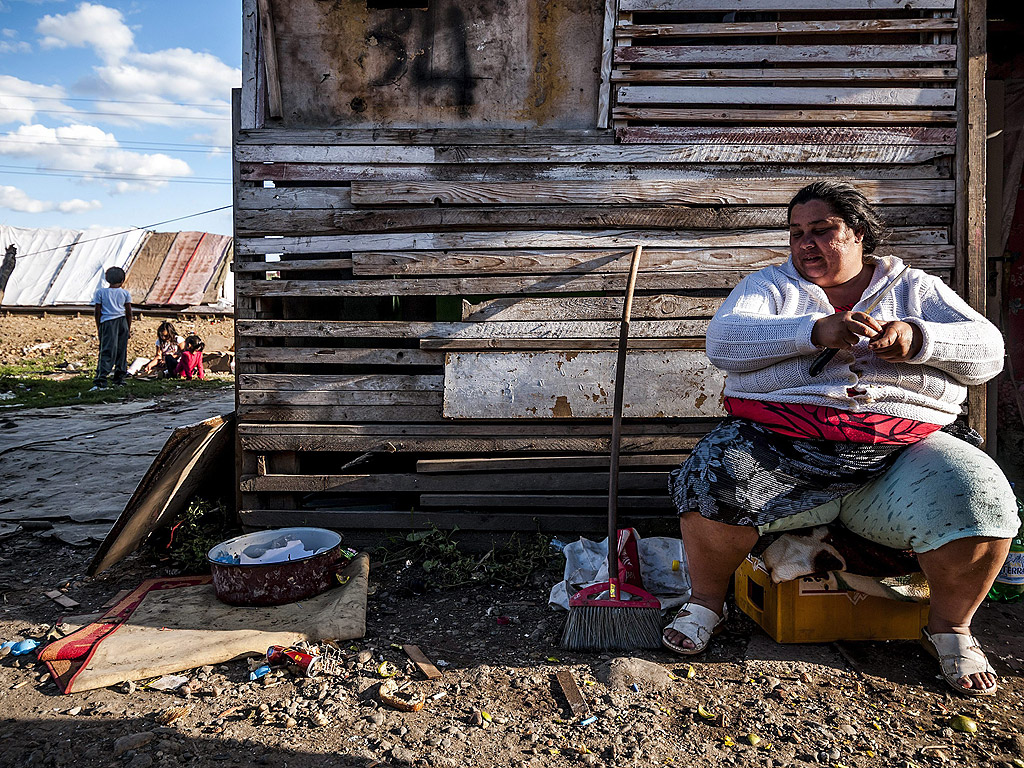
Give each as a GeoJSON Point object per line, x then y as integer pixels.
{"type": "Point", "coordinates": [679, 383]}
{"type": "Point", "coordinates": [201, 269]}
{"type": "Point", "coordinates": [146, 266]}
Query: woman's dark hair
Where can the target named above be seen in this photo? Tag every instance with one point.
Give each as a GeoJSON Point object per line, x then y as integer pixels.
{"type": "Point", "coordinates": [849, 204]}
{"type": "Point", "coordinates": [167, 326]}
{"type": "Point", "coordinates": [194, 344]}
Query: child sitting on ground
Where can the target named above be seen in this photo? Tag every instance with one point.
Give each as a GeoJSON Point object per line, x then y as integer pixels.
{"type": "Point", "coordinates": [168, 346]}
{"type": "Point", "coordinates": [113, 310]}
{"type": "Point", "coordinates": [190, 365]}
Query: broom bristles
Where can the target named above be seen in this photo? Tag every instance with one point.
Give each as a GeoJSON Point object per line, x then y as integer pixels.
{"type": "Point", "coordinates": [605, 628]}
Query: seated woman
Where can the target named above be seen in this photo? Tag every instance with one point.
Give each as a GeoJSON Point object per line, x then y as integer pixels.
{"type": "Point", "coordinates": [867, 441]}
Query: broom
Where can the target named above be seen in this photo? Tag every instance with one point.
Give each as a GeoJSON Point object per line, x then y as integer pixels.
{"type": "Point", "coordinates": [609, 615]}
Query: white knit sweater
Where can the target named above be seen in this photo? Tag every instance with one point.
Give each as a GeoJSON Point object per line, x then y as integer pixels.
{"type": "Point", "coordinates": [761, 338]}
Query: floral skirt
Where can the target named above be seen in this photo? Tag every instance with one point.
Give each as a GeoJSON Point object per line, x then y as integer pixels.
{"type": "Point", "coordinates": [742, 473]}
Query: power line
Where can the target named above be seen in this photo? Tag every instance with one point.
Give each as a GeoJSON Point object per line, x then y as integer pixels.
{"type": "Point", "coordinates": [124, 232]}
{"type": "Point", "coordinates": [114, 114]}
{"type": "Point", "coordinates": [116, 101]}
{"type": "Point", "coordinates": [138, 145]}
{"type": "Point", "coordinates": [69, 173]}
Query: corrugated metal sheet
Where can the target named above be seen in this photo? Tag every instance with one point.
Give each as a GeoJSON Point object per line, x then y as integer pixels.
{"type": "Point", "coordinates": [146, 265]}
{"type": "Point", "coordinates": [82, 272]}
{"type": "Point", "coordinates": [201, 270]}
{"type": "Point", "coordinates": [41, 252]}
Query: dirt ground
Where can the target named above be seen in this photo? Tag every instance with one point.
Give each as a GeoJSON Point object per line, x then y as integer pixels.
{"type": "Point", "coordinates": [74, 338]}
{"type": "Point", "coordinates": [497, 702]}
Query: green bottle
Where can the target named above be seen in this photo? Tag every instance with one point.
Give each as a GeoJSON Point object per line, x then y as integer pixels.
{"type": "Point", "coordinates": [1009, 584]}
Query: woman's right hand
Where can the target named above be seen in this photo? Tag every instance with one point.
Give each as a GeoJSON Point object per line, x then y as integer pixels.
{"type": "Point", "coordinates": [844, 330]}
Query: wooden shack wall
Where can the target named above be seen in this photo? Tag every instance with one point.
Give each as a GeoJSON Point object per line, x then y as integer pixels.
{"type": "Point", "coordinates": [427, 295]}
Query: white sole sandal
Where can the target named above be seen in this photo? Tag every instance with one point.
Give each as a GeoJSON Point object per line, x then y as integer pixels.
{"type": "Point", "coordinates": [697, 624]}
{"type": "Point", "coordinates": [959, 656]}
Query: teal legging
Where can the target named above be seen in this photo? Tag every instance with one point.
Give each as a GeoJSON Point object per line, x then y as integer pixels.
{"type": "Point", "coordinates": [940, 489]}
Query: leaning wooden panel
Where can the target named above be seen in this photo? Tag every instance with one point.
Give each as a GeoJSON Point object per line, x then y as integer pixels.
{"type": "Point", "coordinates": [561, 385]}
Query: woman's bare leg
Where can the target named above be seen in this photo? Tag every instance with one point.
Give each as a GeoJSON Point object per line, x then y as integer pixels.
{"type": "Point", "coordinates": [959, 575]}
{"type": "Point", "coordinates": [713, 553]}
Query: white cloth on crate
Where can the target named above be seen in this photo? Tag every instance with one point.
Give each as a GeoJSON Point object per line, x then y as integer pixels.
{"type": "Point", "coordinates": [586, 563]}
{"type": "Point", "coordinates": [761, 338]}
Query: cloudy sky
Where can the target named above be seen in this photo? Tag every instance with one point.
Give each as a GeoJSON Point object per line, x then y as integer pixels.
{"type": "Point", "coordinates": [117, 112]}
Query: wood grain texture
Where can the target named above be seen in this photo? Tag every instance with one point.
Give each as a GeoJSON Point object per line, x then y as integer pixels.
{"type": "Point", "coordinates": [550, 463]}
{"type": "Point", "coordinates": [788, 116]}
{"type": "Point", "coordinates": [794, 27]}
{"type": "Point", "coordinates": [560, 385]}
{"type": "Point", "coordinates": [337, 356]}
{"type": "Point", "coordinates": [858, 74]}
{"type": "Point", "coordinates": [783, 5]}
{"type": "Point", "coordinates": [590, 308]}
{"type": "Point", "coordinates": [498, 482]}
{"type": "Point", "coordinates": [703, 192]}
{"type": "Point", "coordinates": [784, 54]}
{"type": "Point", "coordinates": [741, 95]}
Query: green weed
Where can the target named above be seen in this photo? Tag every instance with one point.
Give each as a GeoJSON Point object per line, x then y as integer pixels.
{"type": "Point", "coordinates": [444, 563]}
{"type": "Point", "coordinates": [204, 524]}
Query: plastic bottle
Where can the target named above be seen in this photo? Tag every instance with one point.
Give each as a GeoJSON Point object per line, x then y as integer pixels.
{"type": "Point", "coordinates": [1009, 584]}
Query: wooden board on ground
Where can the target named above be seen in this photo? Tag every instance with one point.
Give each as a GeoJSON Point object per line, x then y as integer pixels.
{"type": "Point", "coordinates": [422, 662]}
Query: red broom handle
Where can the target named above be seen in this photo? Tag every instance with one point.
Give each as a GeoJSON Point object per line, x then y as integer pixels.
{"type": "Point", "coordinates": [616, 439]}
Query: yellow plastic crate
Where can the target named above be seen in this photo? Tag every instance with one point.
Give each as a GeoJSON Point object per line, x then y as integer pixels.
{"type": "Point", "coordinates": [816, 610]}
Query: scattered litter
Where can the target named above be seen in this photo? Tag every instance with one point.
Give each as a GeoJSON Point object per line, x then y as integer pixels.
{"type": "Point", "coordinates": [24, 646]}
{"type": "Point", "coordinates": [635, 688]}
{"type": "Point", "coordinates": [386, 669]}
{"type": "Point", "coordinates": [168, 683]}
{"type": "Point", "coordinates": [589, 720]}
{"type": "Point", "coordinates": [169, 716]}
{"type": "Point", "coordinates": [486, 715]}
{"type": "Point", "coordinates": [963, 724]}
{"type": "Point", "coordinates": [442, 663]}
{"type": "Point", "coordinates": [503, 621]}
{"type": "Point", "coordinates": [7, 395]}
{"type": "Point", "coordinates": [439, 695]}
{"type": "Point", "coordinates": [690, 672]}
{"type": "Point", "coordinates": [753, 739]}
{"type": "Point", "coordinates": [260, 671]}
{"type": "Point", "coordinates": [577, 704]}
{"type": "Point", "coordinates": [59, 597]}
{"type": "Point", "coordinates": [400, 700]}
{"type": "Point", "coordinates": [312, 661]}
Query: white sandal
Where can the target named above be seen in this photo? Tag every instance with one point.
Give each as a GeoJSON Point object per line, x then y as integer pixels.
{"type": "Point", "coordinates": [959, 656]}
{"type": "Point", "coordinates": [697, 624]}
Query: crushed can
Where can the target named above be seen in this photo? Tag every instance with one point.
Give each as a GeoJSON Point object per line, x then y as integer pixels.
{"type": "Point", "coordinates": [306, 662]}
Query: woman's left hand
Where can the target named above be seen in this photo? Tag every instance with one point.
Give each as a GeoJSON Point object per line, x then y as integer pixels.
{"type": "Point", "coordinates": [897, 342]}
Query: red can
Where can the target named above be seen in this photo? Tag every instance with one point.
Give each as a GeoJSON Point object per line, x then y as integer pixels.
{"type": "Point", "coordinates": [307, 662]}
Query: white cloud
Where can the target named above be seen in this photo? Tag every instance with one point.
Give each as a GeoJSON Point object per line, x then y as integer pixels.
{"type": "Point", "coordinates": [18, 99]}
{"type": "Point", "coordinates": [92, 153]}
{"type": "Point", "coordinates": [15, 199]}
{"type": "Point", "coordinates": [11, 43]}
{"type": "Point", "coordinates": [88, 26]}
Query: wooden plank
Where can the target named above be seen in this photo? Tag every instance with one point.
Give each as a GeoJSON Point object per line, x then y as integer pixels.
{"type": "Point", "coordinates": [423, 664]}
{"type": "Point", "coordinates": [619, 154]}
{"type": "Point", "coordinates": [561, 385]}
{"type": "Point", "coordinates": [423, 444]}
{"type": "Point", "coordinates": [714, 191]}
{"type": "Point", "coordinates": [607, 238]}
{"type": "Point", "coordinates": [360, 383]}
{"type": "Point", "coordinates": [296, 265]}
{"type": "Point", "coordinates": [261, 198]}
{"type": "Point", "coordinates": [862, 74]}
{"type": "Point", "coordinates": [298, 173]}
{"type": "Point", "coordinates": [782, 5]}
{"type": "Point", "coordinates": [868, 138]}
{"type": "Point", "coordinates": [744, 96]}
{"type": "Point", "coordinates": [604, 98]}
{"type": "Point", "coordinates": [588, 329]}
{"type": "Point", "coordinates": [861, 116]}
{"type": "Point", "coordinates": [784, 54]}
{"type": "Point", "coordinates": [250, 36]}
{"type": "Point", "coordinates": [425, 136]}
{"type": "Point", "coordinates": [787, 27]}
{"type": "Point", "coordinates": [972, 265]}
{"type": "Point", "coordinates": [472, 483]}
{"type": "Point", "coordinates": [520, 463]}
{"type": "Point", "coordinates": [577, 704]}
{"type": "Point", "coordinates": [371, 398]}
{"type": "Point", "coordinates": [268, 48]}
{"type": "Point", "coordinates": [590, 308]}
{"type": "Point", "coordinates": [515, 261]}
{"type": "Point", "coordinates": [298, 220]}
{"type": "Point", "coordinates": [528, 501]}
{"type": "Point", "coordinates": [542, 345]}
{"type": "Point", "coordinates": [486, 428]}
{"type": "Point", "coordinates": [317, 413]}
{"type": "Point", "coordinates": [340, 356]}
{"type": "Point", "coordinates": [355, 518]}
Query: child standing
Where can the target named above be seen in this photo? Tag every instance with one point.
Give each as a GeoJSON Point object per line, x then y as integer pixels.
{"type": "Point", "coordinates": [113, 310]}
{"type": "Point", "coordinates": [191, 363]}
